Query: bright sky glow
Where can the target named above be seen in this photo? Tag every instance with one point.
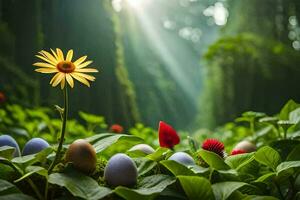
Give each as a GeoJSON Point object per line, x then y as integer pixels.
{"type": "Point", "coordinates": [172, 65]}
{"type": "Point", "coordinates": [117, 5]}
{"type": "Point", "coordinates": [134, 4]}
{"type": "Point", "coordinates": [168, 53]}
{"type": "Point", "coordinates": [218, 12]}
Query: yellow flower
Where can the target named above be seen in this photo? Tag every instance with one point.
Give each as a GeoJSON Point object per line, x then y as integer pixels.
{"type": "Point", "coordinates": [65, 69]}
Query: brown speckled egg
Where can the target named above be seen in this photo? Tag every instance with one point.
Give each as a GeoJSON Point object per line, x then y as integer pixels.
{"type": "Point", "coordinates": [83, 156]}
{"type": "Point", "coordinates": [246, 146]}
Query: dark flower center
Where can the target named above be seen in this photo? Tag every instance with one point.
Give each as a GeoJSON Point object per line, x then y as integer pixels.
{"type": "Point", "coordinates": [65, 66]}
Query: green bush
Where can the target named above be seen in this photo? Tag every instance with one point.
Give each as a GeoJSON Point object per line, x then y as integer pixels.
{"type": "Point", "coordinates": [271, 172]}
{"type": "Point", "coordinates": [247, 72]}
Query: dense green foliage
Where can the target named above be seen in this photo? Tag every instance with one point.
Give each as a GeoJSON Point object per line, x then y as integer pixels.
{"type": "Point", "coordinates": [139, 79]}
{"type": "Point", "coordinates": [253, 66]}
{"type": "Point", "coordinates": [246, 72]}
{"type": "Point", "coordinates": [158, 51]}
{"type": "Point", "coordinates": [272, 172]}
{"type": "Point", "coordinates": [48, 24]}
{"type": "Point", "coordinates": [148, 55]}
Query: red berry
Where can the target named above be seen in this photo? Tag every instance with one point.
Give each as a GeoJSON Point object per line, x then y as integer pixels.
{"type": "Point", "coordinates": [214, 146]}
{"type": "Point", "coordinates": [167, 135]}
{"type": "Point", "coordinates": [237, 151]}
{"type": "Point", "coordinates": [2, 98]}
{"type": "Point", "coordinates": [116, 128]}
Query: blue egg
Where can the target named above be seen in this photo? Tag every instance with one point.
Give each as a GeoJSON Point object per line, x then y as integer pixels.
{"type": "Point", "coordinates": [34, 145]}
{"type": "Point", "coordinates": [7, 140]}
{"type": "Point", "coordinates": [120, 171]}
{"type": "Point", "coordinates": [143, 147]}
{"type": "Point", "coordinates": [182, 158]}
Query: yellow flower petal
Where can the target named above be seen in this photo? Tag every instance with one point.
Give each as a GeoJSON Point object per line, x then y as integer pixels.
{"type": "Point", "coordinates": [49, 56]}
{"type": "Point", "coordinates": [87, 70]}
{"type": "Point", "coordinates": [45, 59]}
{"type": "Point", "coordinates": [70, 80]}
{"type": "Point", "coordinates": [82, 65]}
{"type": "Point", "coordinates": [62, 84]}
{"type": "Point", "coordinates": [55, 55]}
{"type": "Point", "coordinates": [46, 70]}
{"type": "Point", "coordinates": [88, 77]}
{"type": "Point", "coordinates": [54, 77]}
{"type": "Point", "coordinates": [41, 64]}
{"type": "Point", "coordinates": [80, 79]}
{"type": "Point", "coordinates": [80, 60]}
{"type": "Point", "coordinates": [58, 79]}
{"type": "Point", "coordinates": [65, 70]}
{"type": "Point", "coordinates": [60, 54]}
{"type": "Point", "coordinates": [69, 55]}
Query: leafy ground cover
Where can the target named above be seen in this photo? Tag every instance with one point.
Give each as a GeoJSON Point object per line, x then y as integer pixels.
{"type": "Point", "coordinates": [270, 172]}
{"type": "Point", "coordinates": [45, 157]}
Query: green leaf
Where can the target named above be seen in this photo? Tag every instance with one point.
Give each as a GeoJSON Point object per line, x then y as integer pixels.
{"type": "Point", "coordinates": [193, 144]}
{"type": "Point", "coordinates": [264, 131]}
{"type": "Point", "coordinates": [227, 175]}
{"type": "Point", "coordinates": [42, 155]}
{"type": "Point", "coordinates": [237, 195]}
{"type": "Point", "coordinates": [105, 140]}
{"type": "Point", "coordinates": [268, 156]}
{"type": "Point", "coordinates": [236, 161]}
{"type": "Point", "coordinates": [223, 190]}
{"type": "Point", "coordinates": [196, 187]}
{"type": "Point", "coordinates": [248, 170]}
{"type": "Point", "coordinates": [213, 160]}
{"type": "Point", "coordinates": [159, 154]}
{"type": "Point", "coordinates": [294, 154]}
{"type": "Point", "coordinates": [90, 118]}
{"type": "Point", "coordinates": [148, 188]}
{"type": "Point", "coordinates": [144, 165]}
{"type": "Point", "coordinates": [294, 116]}
{"type": "Point", "coordinates": [287, 109]}
{"type": "Point", "coordinates": [16, 196]}
{"type": "Point", "coordinates": [286, 166]}
{"type": "Point", "coordinates": [171, 194]}
{"type": "Point", "coordinates": [199, 170]}
{"type": "Point", "coordinates": [284, 147]}
{"type": "Point", "coordinates": [79, 185]}
{"type": "Point", "coordinates": [10, 164]}
{"type": "Point", "coordinates": [25, 161]}
{"type": "Point", "coordinates": [176, 168]}
{"type": "Point", "coordinates": [250, 116]}
{"type": "Point", "coordinates": [136, 153]}
{"type": "Point", "coordinates": [30, 170]}
{"type": "Point", "coordinates": [253, 197]}
{"type": "Point", "coordinates": [266, 177]}
{"type": "Point", "coordinates": [270, 120]}
{"type": "Point", "coordinates": [7, 188]}
{"type": "Point", "coordinates": [93, 139]}
{"type": "Point", "coordinates": [7, 152]}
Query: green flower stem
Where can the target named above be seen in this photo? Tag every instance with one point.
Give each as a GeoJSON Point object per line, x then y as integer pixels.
{"type": "Point", "coordinates": [33, 186]}
{"type": "Point", "coordinates": [211, 171]}
{"type": "Point", "coordinates": [284, 133]}
{"type": "Point", "coordinates": [63, 131]}
{"type": "Point", "coordinates": [46, 190]}
{"type": "Point", "coordinates": [279, 191]}
{"type": "Point", "coordinates": [252, 127]}
{"type": "Point", "coordinates": [35, 189]}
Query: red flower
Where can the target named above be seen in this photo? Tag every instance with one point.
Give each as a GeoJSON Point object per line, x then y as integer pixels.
{"type": "Point", "coordinates": [237, 151]}
{"type": "Point", "coordinates": [116, 128]}
{"type": "Point", "coordinates": [214, 146]}
{"type": "Point", "coordinates": [167, 135]}
{"type": "Point", "coordinates": [2, 98]}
